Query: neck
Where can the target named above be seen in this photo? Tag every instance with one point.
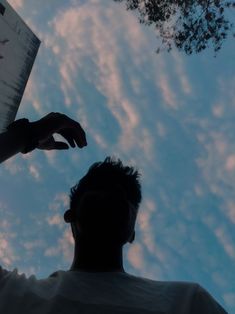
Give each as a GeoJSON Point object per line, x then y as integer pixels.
{"type": "Point", "coordinates": [95, 257]}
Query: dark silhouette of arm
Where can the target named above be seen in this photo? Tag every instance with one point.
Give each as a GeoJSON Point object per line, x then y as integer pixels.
{"type": "Point", "coordinates": [24, 136]}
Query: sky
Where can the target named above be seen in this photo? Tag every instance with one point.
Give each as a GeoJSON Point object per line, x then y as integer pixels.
{"type": "Point", "coordinates": [168, 114]}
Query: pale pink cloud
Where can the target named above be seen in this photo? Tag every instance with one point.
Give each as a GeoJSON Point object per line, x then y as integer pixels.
{"type": "Point", "coordinates": [226, 241]}
{"type": "Point", "coordinates": [147, 232]}
{"type": "Point", "coordinates": [35, 172]}
{"type": "Point", "coordinates": [93, 48]}
{"type": "Point", "coordinates": [16, 4]}
{"type": "Point", "coordinates": [50, 156]}
{"type": "Point", "coordinates": [63, 248]}
{"type": "Point", "coordinates": [13, 166]}
{"type": "Point", "coordinates": [230, 163]}
{"type": "Point", "coordinates": [230, 210]}
{"type": "Point", "coordinates": [30, 245]}
{"type": "Point", "coordinates": [31, 95]}
{"type": "Point", "coordinates": [198, 190]}
{"type": "Point", "coordinates": [7, 254]}
{"type": "Point", "coordinates": [218, 110]}
{"type": "Point", "coordinates": [60, 202]}
{"type": "Point", "coordinates": [161, 129]}
{"type": "Point", "coordinates": [135, 256]}
{"type": "Point", "coordinates": [169, 97]}
{"type": "Point", "coordinates": [181, 74]}
{"type": "Point", "coordinates": [96, 41]}
{"type": "Point", "coordinates": [56, 220]}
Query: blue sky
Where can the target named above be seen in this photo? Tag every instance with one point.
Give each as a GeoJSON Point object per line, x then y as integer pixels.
{"type": "Point", "coordinates": [170, 115]}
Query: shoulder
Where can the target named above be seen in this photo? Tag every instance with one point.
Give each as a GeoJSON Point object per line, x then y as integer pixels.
{"type": "Point", "coordinates": [173, 290]}
{"type": "Point", "coordinates": [13, 276]}
{"type": "Point", "coordinates": [168, 285]}
{"type": "Point", "coordinates": [18, 284]}
{"type": "Point", "coordinates": [186, 297]}
{"type": "Point", "coordinates": [203, 302]}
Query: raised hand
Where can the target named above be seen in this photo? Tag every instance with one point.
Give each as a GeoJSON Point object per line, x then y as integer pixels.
{"type": "Point", "coordinates": [55, 122]}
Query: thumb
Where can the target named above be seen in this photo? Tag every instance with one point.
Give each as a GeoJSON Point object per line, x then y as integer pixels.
{"type": "Point", "coordinates": [60, 145]}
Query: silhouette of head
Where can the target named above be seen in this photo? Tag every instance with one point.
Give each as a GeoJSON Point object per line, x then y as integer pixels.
{"type": "Point", "coordinates": [104, 203]}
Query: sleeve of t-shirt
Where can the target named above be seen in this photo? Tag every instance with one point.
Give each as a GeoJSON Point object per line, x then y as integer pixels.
{"type": "Point", "coordinates": [204, 303]}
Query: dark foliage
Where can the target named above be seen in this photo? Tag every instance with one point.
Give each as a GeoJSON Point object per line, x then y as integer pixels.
{"type": "Point", "coordinates": [190, 25]}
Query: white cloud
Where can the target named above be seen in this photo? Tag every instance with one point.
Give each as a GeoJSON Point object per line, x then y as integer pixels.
{"type": "Point", "coordinates": [226, 241]}
{"type": "Point", "coordinates": [34, 171]}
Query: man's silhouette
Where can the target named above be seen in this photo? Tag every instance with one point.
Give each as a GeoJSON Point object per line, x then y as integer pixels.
{"type": "Point", "coordinates": [102, 214]}
{"type": "Point", "coordinates": [103, 210]}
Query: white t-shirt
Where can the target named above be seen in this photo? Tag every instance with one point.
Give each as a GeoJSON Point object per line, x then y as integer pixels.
{"type": "Point", "coordinates": [70, 292]}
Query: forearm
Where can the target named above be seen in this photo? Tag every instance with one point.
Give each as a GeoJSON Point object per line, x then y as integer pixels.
{"type": "Point", "coordinates": [11, 143]}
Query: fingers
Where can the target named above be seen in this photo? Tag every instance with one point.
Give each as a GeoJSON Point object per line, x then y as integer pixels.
{"type": "Point", "coordinates": [74, 135]}
{"type": "Point", "coordinates": [69, 138]}
{"type": "Point", "coordinates": [55, 122]}
{"type": "Point", "coordinates": [60, 146]}
{"type": "Point", "coordinates": [51, 144]}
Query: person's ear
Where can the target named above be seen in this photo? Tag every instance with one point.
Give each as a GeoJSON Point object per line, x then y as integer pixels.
{"type": "Point", "coordinates": [132, 237]}
{"type": "Point", "coordinates": [69, 216]}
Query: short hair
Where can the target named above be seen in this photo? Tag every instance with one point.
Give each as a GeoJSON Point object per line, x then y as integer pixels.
{"type": "Point", "coordinates": [118, 189]}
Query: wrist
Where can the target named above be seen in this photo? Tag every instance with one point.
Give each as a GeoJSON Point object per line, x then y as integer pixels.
{"type": "Point", "coordinates": [23, 131]}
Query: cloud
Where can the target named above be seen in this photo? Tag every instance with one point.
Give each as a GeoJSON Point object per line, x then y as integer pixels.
{"type": "Point", "coordinates": [32, 97]}
{"type": "Point", "coordinates": [135, 256]}
{"type": "Point", "coordinates": [230, 163]}
{"type": "Point", "coordinates": [229, 299]}
{"type": "Point", "coordinates": [169, 97]}
{"type": "Point", "coordinates": [103, 46]}
{"type": "Point", "coordinates": [230, 210]}
{"type": "Point", "coordinates": [147, 231]}
{"type": "Point", "coordinates": [226, 241]}
{"type": "Point", "coordinates": [63, 248]}
{"type": "Point", "coordinates": [34, 171]}
{"type": "Point", "coordinates": [55, 220]}
{"type": "Point", "coordinates": [8, 255]}
{"type": "Point", "coordinates": [60, 202]}
{"type": "Point", "coordinates": [16, 4]}
{"type": "Point", "coordinates": [31, 245]}
{"type": "Point", "coordinates": [218, 110]}
{"type": "Point", "coordinates": [13, 166]}
{"type": "Point", "coordinates": [181, 74]}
